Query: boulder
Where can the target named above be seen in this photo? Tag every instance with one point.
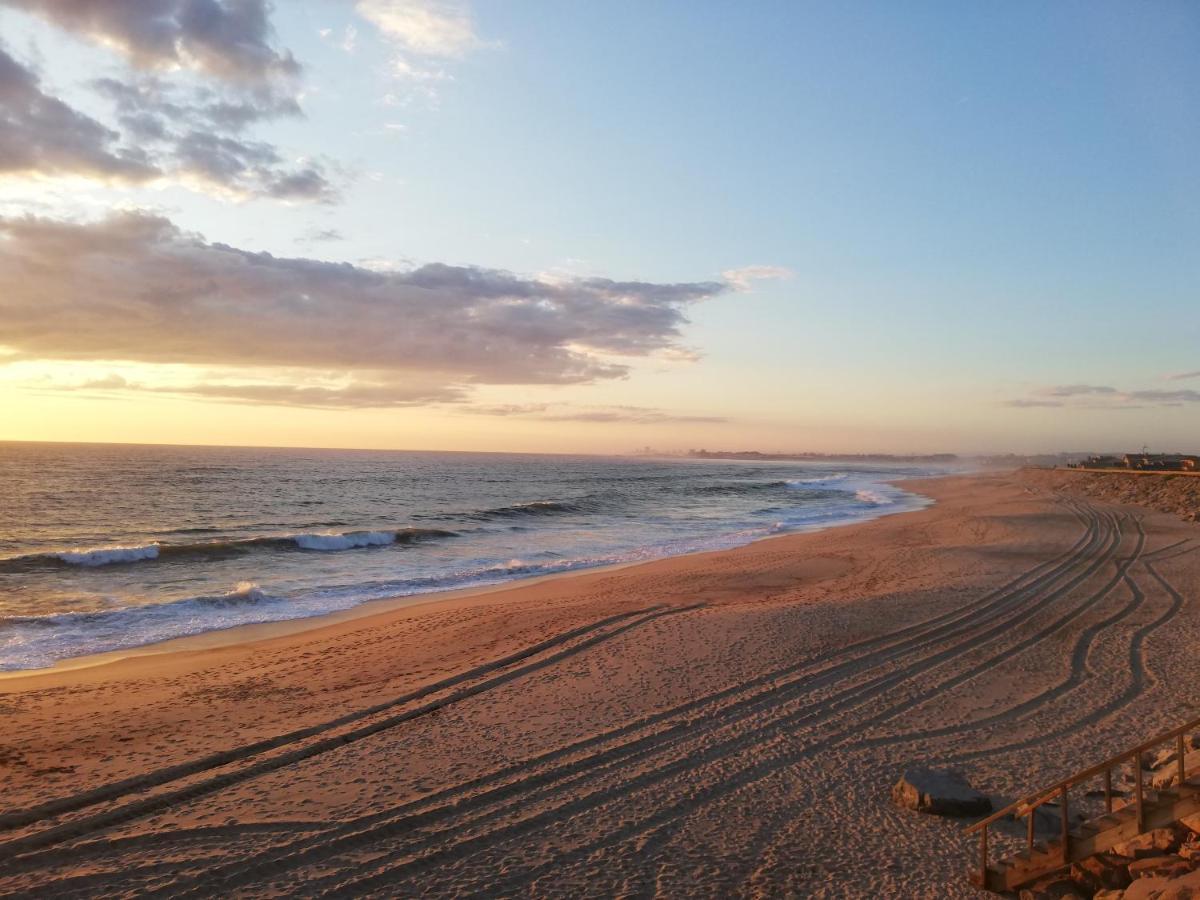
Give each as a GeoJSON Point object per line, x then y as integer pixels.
{"type": "Point", "coordinates": [1168, 775]}
{"type": "Point", "coordinates": [1056, 887]}
{"type": "Point", "coordinates": [940, 792]}
{"type": "Point", "coordinates": [1152, 843]}
{"type": "Point", "coordinates": [1107, 894]}
{"type": "Point", "coordinates": [1105, 871]}
{"type": "Point", "coordinates": [1162, 758]}
{"type": "Point", "coordinates": [1145, 889]}
{"type": "Point", "coordinates": [1159, 867]}
{"type": "Point", "coordinates": [1190, 851]}
{"type": "Point", "coordinates": [1191, 823]}
{"type": "Point", "coordinates": [1185, 887]}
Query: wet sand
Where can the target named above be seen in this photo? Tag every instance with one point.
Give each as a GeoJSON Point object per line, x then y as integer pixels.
{"type": "Point", "coordinates": [724, 724]}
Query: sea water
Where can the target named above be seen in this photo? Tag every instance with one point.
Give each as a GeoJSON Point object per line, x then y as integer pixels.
{"type": "Point", "coordinates": [104, 547]}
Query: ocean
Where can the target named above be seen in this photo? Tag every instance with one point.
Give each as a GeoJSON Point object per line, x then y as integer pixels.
{"type": "Point", "coordinates": [104, 547]}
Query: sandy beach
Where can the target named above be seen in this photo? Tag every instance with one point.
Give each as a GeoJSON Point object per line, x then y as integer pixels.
{"type": "Point", "coordinates": [722, 724]}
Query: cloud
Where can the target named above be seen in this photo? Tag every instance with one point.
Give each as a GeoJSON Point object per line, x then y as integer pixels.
{"type": "Point", "coordinates": [107, 383]}
{"type": "Point", "coordinates": [1104, 397]}
{"type": "Point", "coordinates": [1184, 375]}
{"type": "Point", "coordinates": [358, 395]}
{"type": "Point", "coordinates": [1165, 397]}
{"type": "Point", "coordinates": [248, 168]}
{"type": "Point", "coordinates": [185, 131]}
{"type": "Point", "coordinates": [559, 412]}
{"type": "Point", "coordinates": [1024, 403]}
{"type": "Point", "coordinates": [1077, 390]}
{"type": "Point", "coordinates": [135, 287]}
{"type": "Point", "coordinates": [149, 107]}
{"type": "Point", "coordinates": [424, 35]}
{"type": "Point", "coordinates": [230, 39]}
{"type": "Point", "coordinates": [195, 135]}
{"type": "Point", "coordinates": [742, 279]}
{"type": "Point", "coordinates": [322, 235]}
{"type": "Point", "coordinates": [40, 134]}
{"type": "Point", "coordinates": [423, 27]}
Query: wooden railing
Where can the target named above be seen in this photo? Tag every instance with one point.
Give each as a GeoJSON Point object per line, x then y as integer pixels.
{"type": "Point", "coordinates": [1028, 806]}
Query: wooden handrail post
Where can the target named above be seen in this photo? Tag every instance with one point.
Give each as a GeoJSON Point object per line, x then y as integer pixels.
{"type": "Point", "coordinates": [1066, 827]}
{"type": "Point", "coordinates": [983, 858]}
{"type": "Point", "coordinates": [1032, 825]}
{"type": "Point", "coordinates": [1179, 760]}
{"type": "Point", "coordinates": [1137, 782]}
{"type": "Point", "coordinates": [1108, 790]}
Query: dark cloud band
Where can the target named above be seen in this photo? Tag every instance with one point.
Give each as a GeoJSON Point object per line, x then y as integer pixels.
{"type": "Point", "coordinates": [135, 287]}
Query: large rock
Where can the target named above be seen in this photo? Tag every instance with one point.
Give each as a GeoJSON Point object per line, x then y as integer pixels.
{"type": "Point", "coordinates": [1168, 775]}
{"type": "Point", "coordinates": [1185, 887]}
{"type": "Point", "coordinates": [1152, 843]}
{"type": "Point", "coordinates": [1159, 867]}
{"type": "Point", "coordinates": [1104, 871]}
{"type": "Point", "coordinates": [940, 792]}
{"type": "Point", "coordinates": [1056, 887]}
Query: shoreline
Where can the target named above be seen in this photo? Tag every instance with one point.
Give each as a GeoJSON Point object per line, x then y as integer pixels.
{"type": "Point", "coordinates": [252, 633]}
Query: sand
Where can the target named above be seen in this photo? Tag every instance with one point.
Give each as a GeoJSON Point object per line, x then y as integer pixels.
{"type": "Point", "coordinates": [724, 724]}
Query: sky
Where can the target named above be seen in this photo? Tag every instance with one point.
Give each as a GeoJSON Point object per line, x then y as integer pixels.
{"type": "Point", "coordinates": [568, 227]}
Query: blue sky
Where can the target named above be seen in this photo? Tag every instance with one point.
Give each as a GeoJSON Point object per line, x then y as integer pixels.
{"type": "Point", "coordinates": [986, 216]}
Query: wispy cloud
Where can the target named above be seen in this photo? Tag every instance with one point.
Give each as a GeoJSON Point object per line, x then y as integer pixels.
{"type": "Point", "coordinates": [1078, 390]}
{"type": "Point", "coordinates": [428, 28]}
{"type": "Point", "coordinates": [1104, 397]}
{"type": "Point", "coordinates": [742, 279]}
{"type": "Point", "coordinates": [1028, 403]}
{"type": "Point", "coordinates": [356, 395]}
{"type": "Point", "coordinates": [1183, 376]}
{"type": "Point", "coordinates": [561, 412]}
{"type": "Point", "coordinates": [426, 37]}
{"type": "Point", "coordinates": [135, 287]}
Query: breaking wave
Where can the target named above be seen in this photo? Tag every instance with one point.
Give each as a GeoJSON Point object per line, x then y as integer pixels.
{"type": "Point", "coordinates": [103, 556]}
{"type": "Point", "coordinates": [213, 550]}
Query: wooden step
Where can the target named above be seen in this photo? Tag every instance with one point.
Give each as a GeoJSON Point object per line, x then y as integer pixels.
{"type": "Point", "coordinates": [1159, 808]}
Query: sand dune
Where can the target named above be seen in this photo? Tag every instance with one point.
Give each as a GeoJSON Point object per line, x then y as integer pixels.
{"type": "Point", "coordinates": [726, 724]}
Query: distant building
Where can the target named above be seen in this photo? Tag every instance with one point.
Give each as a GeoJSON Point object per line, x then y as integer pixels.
{"type": "Point", "coordinates": [1160, 462]}
{"type": "Point", "coordinates": [1144, 462]}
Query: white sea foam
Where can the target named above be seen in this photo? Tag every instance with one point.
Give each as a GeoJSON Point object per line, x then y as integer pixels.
{"type": "Point", "coordinates": [873, 497]}
{"type": "Point", "coordinates": [246, 590]}
{"type": "Point", "coordinates": [817, 479]}
{"type": "Point", "coordinates": [102, 556]}
{"type": "Point", "coordinates": [348, 541]}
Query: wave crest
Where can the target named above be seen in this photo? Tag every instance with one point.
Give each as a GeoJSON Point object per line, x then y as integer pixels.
{"type": "Point", "coordinates": [103, 556]}
{"type": "Point", "coordinates": [215, 550]}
